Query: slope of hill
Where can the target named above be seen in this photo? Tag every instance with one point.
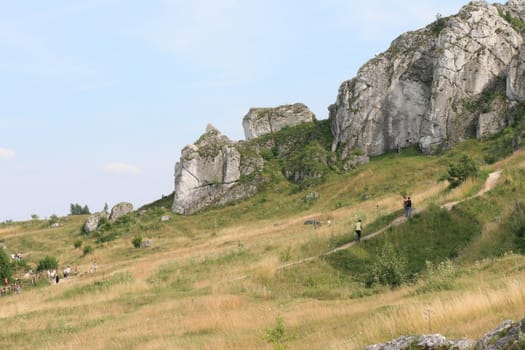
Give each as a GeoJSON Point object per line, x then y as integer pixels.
{"type": "Point", "coordinates": [214, 280]}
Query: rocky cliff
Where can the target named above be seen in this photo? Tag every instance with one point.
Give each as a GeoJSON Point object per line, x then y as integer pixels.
{"type": "Point", "coordinates": [457, 78]}
{"type": "Point", "coordinates": [216, 170]}
{"type": "Point", "coordinates": [460, 77]}
{"type": "Point", "coordinates": [209, 173]}
{"type": "Point", "coordinates": [261, 121]}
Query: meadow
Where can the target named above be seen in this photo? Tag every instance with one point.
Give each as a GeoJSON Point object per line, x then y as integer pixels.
{"type": "Point", "coordinates": [252, 275]}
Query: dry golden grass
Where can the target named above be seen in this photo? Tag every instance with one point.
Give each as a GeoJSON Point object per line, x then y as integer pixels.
{"type": "Point", "coordinates": [229, 305]}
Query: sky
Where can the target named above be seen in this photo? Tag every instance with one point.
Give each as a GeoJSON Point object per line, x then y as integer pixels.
{"type": "Point", "coordinates": [99, 97]}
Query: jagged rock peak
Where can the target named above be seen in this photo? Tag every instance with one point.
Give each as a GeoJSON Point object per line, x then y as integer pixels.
{"type": "Point", "coordinates": [211, 128]}
{"type": "Point", "coordinates": [430, 87]}
{"type": "Point", "coordinates": [260, 121]}
{"type": "Point", "coordinates": [208, 173]}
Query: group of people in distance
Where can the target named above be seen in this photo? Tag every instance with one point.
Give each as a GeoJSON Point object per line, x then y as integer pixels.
{"type": "Point", "coordinates": [407, 206]}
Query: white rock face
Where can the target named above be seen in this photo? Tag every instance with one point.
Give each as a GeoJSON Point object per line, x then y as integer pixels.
{"type": "Point", "coordinates": [120, 210]}
{"type": "Point", "coordinates": [208, 173]}
{"type": "Point", "coordinates": [425, 88]}
{"type": "Point", "coordinates": [93, 221]}
{"type": "Point", "coordinates": [261, 121]}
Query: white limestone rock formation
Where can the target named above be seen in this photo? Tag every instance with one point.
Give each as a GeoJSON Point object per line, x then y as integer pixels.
{"type": "Point", "coordinates": [93, 221]}
{"type": "Point", "coordinates": [261, 121]}
{"type": "Point", "coordinates": [119, 210]}
{"type": "Point", "coordinates": [452, 80]}
{"type": "Point", "coordinates": [209, 173]}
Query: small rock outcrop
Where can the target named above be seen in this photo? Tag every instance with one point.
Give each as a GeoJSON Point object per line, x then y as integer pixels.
{"type": "Point", "coordinates": [508, 335]}
{"type": "Point", "coordinates": [261, 121]}
{"type": "Point", "coordinates": [93, 221]}
{"type": "Point", "coordinates": [209, 173]}
{"type": "Point", "coordinates": [120, 210]}
{"type": "Point", "coordinates": [457, 78]}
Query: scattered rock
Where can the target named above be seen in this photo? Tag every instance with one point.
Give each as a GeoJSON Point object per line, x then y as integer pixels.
{"type": "Point", "coordinates": [312, 196]}
{"type": "Point", "coordinates": [507, 335]}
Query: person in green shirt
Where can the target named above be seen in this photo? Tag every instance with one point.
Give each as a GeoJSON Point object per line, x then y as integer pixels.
{"type": "Point", "coordinates": [358, 229]}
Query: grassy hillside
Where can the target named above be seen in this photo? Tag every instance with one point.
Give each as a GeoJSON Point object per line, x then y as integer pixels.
{"type": "Point", "coordinates": [226, 279]}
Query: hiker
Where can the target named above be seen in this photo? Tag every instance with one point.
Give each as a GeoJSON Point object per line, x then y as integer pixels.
{"type": "Point", "coordinates": [57, 279]}
{"type": "Point", "coordinates": [93, 267]}
{"type": "Point", "coordinates": [358, 228]}
{"type": "Point", "coordinates": [408, 207]}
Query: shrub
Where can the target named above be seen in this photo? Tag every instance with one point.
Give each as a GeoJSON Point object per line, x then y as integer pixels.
{"type": "Point", "coordinates": [47, 263]}
{"type": "Point", "coordinates": [389, 268]}
{"type": "Point", "coordinates": [53, 219]}
{"type": "Point", "coordinates": [5, 266]}
{"type": "Point", "coordinates": [458, 172]}
{"type": "Point", "coordinates": [88, 250]}
{"type": "Point", "coordinates": [516, 224]}
{"type": "Point", "coordinates": [276, 335]}
{"type": "Point", "coordinates": [437, 277]}
{"type": "Point", "coordinates": [78, 243]}
{"type": "Point", "coordinates": [137, 241]}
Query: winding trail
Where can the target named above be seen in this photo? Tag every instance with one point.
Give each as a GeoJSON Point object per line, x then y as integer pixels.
{"type": "Point", "coordinates": [489, 184]}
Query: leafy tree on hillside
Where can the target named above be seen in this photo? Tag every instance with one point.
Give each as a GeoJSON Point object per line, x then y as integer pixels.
{"type": "Point", "coordinates": [53, 219]}
{"type": "Point", "coordinates": [5, 266]}
{"type": "Point", "coordinates": [77, 209]}
{"type": "Point", "coordinates": [47, 263]}
{"type": "Point", "coordinates": [458, 172]}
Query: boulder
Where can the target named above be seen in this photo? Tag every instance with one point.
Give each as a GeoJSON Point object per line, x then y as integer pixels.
{"type": "Point", "coordinates": [120, 210]}
{"type": "Point", "coordinates": [261, 121]}
{"type": "Point", "coordinates": [93, 221]}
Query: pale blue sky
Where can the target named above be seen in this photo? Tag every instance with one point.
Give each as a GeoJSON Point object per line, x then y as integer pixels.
{"type": "Point", "coordinates": [98, 97]}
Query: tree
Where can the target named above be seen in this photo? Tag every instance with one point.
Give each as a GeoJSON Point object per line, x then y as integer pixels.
{"type": "Point", "coordinates": [458, 172]}
{"type": "Point", "coordinates": [53, 219]}
{"type": "Point", "coordinates": [6, 270]}
{"type": "Point", "coordinates": [77, 209]}
{"type": "Point", "coordinates": [47, 263]}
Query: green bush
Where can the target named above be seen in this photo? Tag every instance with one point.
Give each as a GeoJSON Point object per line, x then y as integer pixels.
{"type": "Point", "coordinates": [5, 266]}
{"type": "Point", "coordinates": [137, 241]}
{"type": "Point", "coordinates": [53, 219]}
{"type": "Point", "coordinates": [516, 224]}
{"type": "Point", "coordinates": [437, 277]}
{"type": "Point", "coordinates": [458, 172]}
{"type": "Point", "coordinates": [78, 243]}
{"type": "Point", "coordinates": [277, 335]}
{"type": "Point", "coordinates": [88, 250]}
{"type": "Point", "coordinates": [47, 263]}
{"type": "Point", "coordinates": [389, 268]}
